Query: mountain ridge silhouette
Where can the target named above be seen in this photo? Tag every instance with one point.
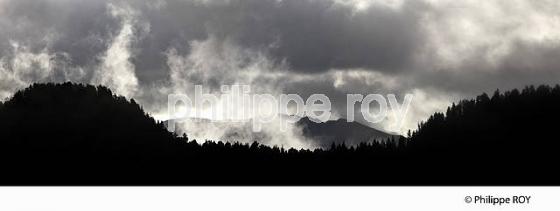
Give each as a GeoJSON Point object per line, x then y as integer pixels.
{"type": "Point", "coordinates": [76, 134]}
{"type": "Point", "coordinates": [316, 133]}
{"type": "Point", "coordinates": [341, 131]}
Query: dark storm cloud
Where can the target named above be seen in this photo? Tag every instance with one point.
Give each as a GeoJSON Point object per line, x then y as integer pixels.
{"type": "Point", "coordinates": [315, 36]}
{"type": "Point", "coordinates": [310, 35]}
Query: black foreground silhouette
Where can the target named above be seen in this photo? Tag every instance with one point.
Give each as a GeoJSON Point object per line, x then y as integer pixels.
{"type": "Point", "coordinates": [74, 134]}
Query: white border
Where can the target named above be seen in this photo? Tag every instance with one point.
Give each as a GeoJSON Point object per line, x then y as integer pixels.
{"type": "Point", "coordinates": [267, 198]}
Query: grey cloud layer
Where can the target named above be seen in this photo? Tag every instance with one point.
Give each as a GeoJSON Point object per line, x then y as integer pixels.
{"type": "Point", "coordinates": [313, 36]}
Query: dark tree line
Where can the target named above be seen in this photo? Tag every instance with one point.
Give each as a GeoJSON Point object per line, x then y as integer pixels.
{"type": "Point", "coordinates": [511, 122]}
{"type": "Point", "coordinates": [509, 137]}
{"type": "Point", "coordinates": [75, 134]}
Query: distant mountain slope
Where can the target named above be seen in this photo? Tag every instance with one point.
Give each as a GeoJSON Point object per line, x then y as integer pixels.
{"type": "Point", "coordinates": [340, 131]}
{"type": "Point", "coordinates": [317, 134]}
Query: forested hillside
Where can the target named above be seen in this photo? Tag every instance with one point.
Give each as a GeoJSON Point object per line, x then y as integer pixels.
{"type": "Point", "coordinates": [73, 134]}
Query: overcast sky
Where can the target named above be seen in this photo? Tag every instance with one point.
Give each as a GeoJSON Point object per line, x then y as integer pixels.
{"type": "Point", "coordinates": [440, 51]}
